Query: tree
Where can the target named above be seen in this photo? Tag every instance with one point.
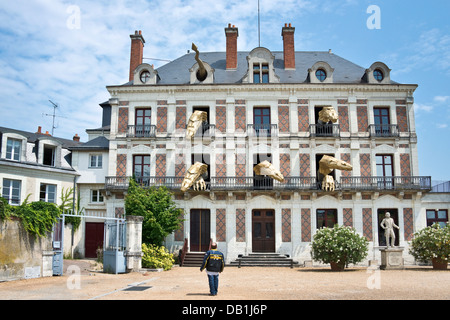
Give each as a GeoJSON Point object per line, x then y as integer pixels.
{"type": "Point", "coordinates": [161, 217]}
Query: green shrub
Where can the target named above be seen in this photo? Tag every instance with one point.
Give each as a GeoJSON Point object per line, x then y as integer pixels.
{"type": "Point", "coordinates": [431, 243]}
{"type": "Point", "coordinates": [38, 217]}
{"type": "Point", "coordinates": [156, 257]}
{"type": "Point", "coordinates": [341, 245]}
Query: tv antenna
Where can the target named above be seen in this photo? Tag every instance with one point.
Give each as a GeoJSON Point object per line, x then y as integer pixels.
{"type": "Point", "coordinates": [53, 115]}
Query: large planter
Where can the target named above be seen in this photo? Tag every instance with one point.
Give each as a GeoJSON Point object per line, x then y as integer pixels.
{"type": "Point", "coordinates": [337, 266]}
{"type": "Point", "coordinates": [439, 264]}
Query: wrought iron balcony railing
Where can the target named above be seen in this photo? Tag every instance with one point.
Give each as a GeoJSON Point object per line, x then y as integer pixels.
{"type": "Point", "coordinates": [383, 130]}
{"type": "Point", "coordinates": [206, 130]}
{"type": "Point", "coordinates": [324, 130]}
{"type": "Point", "coordinates": [262, 130]}
{"type": "Point", "coordinates": [290, 184]}
{"type": "Point", "coordinates": [142, 131]}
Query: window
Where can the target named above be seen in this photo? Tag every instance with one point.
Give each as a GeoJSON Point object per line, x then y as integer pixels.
{"type": "Point", "coordinates": [11, 191]}
{"type": "Point", "coordinates": [143, 119]}
{"type": "Point", "coordinates": [49, 155]}
{"type": "Point", "coordinates": [261, 121]}
{"type": "Point", "coordinates": [96, 196]}
{"type": "Point", "coordinates": [203, 158]}
{"type": "Point", "coordinates": [141, 166]}
{"type": "Point", "coordinates": [260, 73]}
{"type": "Point", "coordinates": [262, 182]}
{"type": "Point", "coordinates": [96, 161]}
{"type": "Point", "coordinates": [321, 75]}
{"type": "Point", "coordinates": [378, 75]}
{"type": "Point", "coordinates": [382, 121]}
{"type": "Point", "coordinates": [385, 171]}
{"type": "Point", "coordinates": [437, 216]}
{"type": "Point", "coordinates": [13, 149]}
{"type": "Point", "coordinates": [326, 218]}
{"type": "Point", "coordinates": [47, 193]}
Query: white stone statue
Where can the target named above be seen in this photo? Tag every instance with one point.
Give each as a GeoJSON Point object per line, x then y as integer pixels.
{"type": "Point", "coordinates": [388, 225]}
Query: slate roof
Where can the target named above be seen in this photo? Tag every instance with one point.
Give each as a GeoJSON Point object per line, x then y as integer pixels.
{"type": "Point", "coordinates": [33, 137]}
{"type": "Point", "coordinates": [177, 71]}
{"type": "Point", "coordinates": [99, 143]}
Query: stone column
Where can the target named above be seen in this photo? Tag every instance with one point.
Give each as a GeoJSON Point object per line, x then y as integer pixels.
{"type": "Point", "coordinates": [133, 252]}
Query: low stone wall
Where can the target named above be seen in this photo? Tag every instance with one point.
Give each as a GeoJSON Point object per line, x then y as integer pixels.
{"type": "Point", "coordinates": [23, 256]}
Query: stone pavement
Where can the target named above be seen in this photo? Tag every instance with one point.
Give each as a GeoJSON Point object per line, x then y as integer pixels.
{"type": "Point", "coordinates": [247, 283]}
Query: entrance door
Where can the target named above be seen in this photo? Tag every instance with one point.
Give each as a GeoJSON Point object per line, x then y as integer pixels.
{"type": "Point", "coordinates": [94, 238]}
{"type": "Point", "coordinates": [57, 261]}
{"type": "Point", "coordinates": [263, 230]}
{"type": "Point", "coordinates": [200, 233]}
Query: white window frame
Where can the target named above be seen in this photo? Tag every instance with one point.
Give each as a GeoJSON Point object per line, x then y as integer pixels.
{"type": "Point", "coordinates": [97, 164]}
{"type": "Point", "coordinates": [16, 148]}
{"type": "Point", "coordinates": [9, 195]}
{"type": "Point", "coordinates": [96, 196]}
{"type": "Point", "coordinates": [48, 192]}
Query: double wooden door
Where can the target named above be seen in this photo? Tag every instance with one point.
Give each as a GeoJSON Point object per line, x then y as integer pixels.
{"type": "Point", "coordinates": [200, 229]}
{"type": "Point", "coordinates": [263, 230]}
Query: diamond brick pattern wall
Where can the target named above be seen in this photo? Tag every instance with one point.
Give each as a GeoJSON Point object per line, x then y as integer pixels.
{"type": "Point", "coordinates": [303, 118]}
{"type": "Point", "coordinates": [305, 166]}
{"type": "Point", "coordinates": [348, 217]}
{"type": "Point", "coordinates": [121, 167]}
{"type": "Point", "coordinates": [240, 165]}
{"type": "Point", "coordinates": [240, 119]}
{"type": "Point", "coordinates": [221, 119]}
{"type": "Point", "coordinates": [240, 225]}
{"type": "Point", "coordinates": [367, 223]}
{"type": "Point", "coordinates": [343, 119]}
{"type": "Point", "coordinates": [221, 225]}
{"type": "Point", "coordinates": [161, 119]}
{"type": "Point", "coordinates": [181, 118]}
{"type": "Point", "coordinates": [283, 118]}
{"type": "Point", "coordinates": [405, 165]}
{"type": "Point", "coordinates": [363, 120]}
{"type": "Point", "coordinates": [160, 165]}
{"type": "Point", "coordinates": [180, 166]}
{"type": "Point", "coordinates": [408, 221]}
{"type": "Point", "coordinates": [285, 164]}
{"type": "Point", "coordinates": [306, 225]}
{"type": "Point", "coordinates": [286, 225]}
{"type": "Point", "coordinates": [364, 162]}
{"type": "Point", "coordinates": [123, 120]}
{"type": "Point", "coordinates": [346, 157]}
{"type": "Point", "coordinates": [402, 119]}
{"type": "Point", "coordinates": [119, 212]}
{"type": "Point", "coordinates": [221, 165]}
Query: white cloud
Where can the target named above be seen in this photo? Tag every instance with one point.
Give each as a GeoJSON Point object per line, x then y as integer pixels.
{"type": "Point", "coordinates": [422, 107]}
{"type": "Point", "coordinates": [441, 99]}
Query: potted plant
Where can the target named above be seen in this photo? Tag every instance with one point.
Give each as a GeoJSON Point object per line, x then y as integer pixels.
{"type": "Point", "coordinates": [432, 243]}
{"type": "Point", "coordinates": [339, 246]}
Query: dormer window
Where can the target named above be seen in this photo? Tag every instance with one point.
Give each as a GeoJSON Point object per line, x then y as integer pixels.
{"type": "Point", "coordinates": [321, 75]}
{"type": "Point", "coordinates": [145, 76]}
{"type": "Point", "coordinates": [13, 149]}
{"type": "Point", "coordinates": [378, 75]}
{"type": "Point", "coordinates": [260, 73]}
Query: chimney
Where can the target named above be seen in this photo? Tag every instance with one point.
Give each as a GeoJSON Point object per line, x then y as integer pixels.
{"type": "Point", "coordinates": [288, 46]}
{"type": "Point", "coordinates": [76, 138]}
{"type": "Point", "coordinates": [137, 51]}
{"type": "Point", "coordinates": [232, 34]}
{"type": "Point", "coordinates": [39, 130]}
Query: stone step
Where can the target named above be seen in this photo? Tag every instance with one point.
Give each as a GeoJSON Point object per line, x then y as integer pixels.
{"type": "Point", "coordinates": [264, 260]}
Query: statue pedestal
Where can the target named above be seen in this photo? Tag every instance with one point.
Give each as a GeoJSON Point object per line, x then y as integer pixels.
{"type": "Point", "coordinates": [391, 258]}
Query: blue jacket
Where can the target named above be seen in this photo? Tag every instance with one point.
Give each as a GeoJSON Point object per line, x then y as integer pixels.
{"type": "Point", "coordinates": [213, 261]}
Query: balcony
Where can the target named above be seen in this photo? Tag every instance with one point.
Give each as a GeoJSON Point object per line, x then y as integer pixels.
{"type": "Point", "coordinates": [383, 130]}
{"type": "Point", "coordinates": [141, 131]}
{"type": "Point", "coordinates": [356, 184]}
{"type": "Point", "coordinates": [385, 183]}
{"type": "Point", "coordinates": [262, 130]}
{"type": "Point", "coordinates": [206, 131]}
{"type": "Point", "coordinates": [324, 130]}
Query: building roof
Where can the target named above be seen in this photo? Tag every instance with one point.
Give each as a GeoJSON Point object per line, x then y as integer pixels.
{"type": "Point", "coordinates": [177, 71]}
{"type": "Point", "coordinates": [99, 143]}
{"type": "Point", "coordinates": [34, 136]}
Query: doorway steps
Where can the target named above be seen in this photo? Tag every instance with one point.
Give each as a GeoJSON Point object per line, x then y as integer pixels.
{"type": "Point", "coordinates": [193, 259]}
{"type": "Point", "coordinates": [264, 260]}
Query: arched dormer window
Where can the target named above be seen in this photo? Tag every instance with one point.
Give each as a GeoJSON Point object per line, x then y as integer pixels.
{"type": "Point", "coordinates": [196, 77]}
{"type": "Point", "coordinates": [378, 73]}
{"type": "Point", "coordinates": [13, 146]}
{"type": "Point", "coordinates": [145, 74]}
{"type": "Point", "coordinates": [321, 72]}
{"type": "Point", "coordinates": [260, 67]}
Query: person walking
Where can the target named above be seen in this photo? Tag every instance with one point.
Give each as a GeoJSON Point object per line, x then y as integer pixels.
{"type": "Point", "coordinates": [214, 262]}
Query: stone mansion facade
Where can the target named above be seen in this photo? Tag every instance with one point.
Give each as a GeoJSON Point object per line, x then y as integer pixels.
{"type": "Point", "coordinates": [261, 105]}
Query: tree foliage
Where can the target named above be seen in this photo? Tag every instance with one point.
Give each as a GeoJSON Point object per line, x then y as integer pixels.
{"type": "Point", "coordinates": [161, 217]}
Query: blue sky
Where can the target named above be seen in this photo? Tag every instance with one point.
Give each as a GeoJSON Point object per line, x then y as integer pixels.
{"type": "Point", "coordinates": [68, 51]}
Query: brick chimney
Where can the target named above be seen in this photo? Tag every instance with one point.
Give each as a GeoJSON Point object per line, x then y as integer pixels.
{"type": "Point", "coordinates": [232, 34]}
{"type": "Point", "coordinates": [288, 46]}
{"type": "Point", "coordinates": [137, 51]}
{"type": "Point", "coordinates": [76, 138]}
